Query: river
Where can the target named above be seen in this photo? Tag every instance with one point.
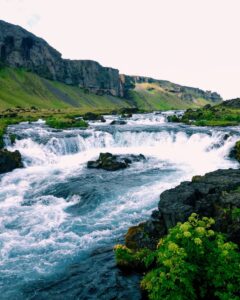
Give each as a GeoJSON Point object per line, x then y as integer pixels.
{"type": "Point", "coordinates": [60, 220]}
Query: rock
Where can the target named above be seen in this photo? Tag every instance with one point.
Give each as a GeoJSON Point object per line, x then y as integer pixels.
{"type": "Point", "coordinates": [217, 195]}
{"type": "Point", "coordinates": [118, 122]}
{"type": "Point", "coordinates": [90, 116]}
{"type": "Point", "coordinates": [235, 151]}
{"type": "Point", "coordinates": [10, 160]}
{"type": "Point", "coordinates": [129, 110]}
{"type": "Point", "coordinates": [20, 48]}
{"type": "Point", "coordinates": [110, 162]}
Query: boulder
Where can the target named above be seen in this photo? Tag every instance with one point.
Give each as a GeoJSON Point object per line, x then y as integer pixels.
{"type": "Point", "coordinates": [90, 116]}
{"type": "Point", "coordinates": [118, 122]}
{"type": "Point", "coordinates": [217, 195]}
{"type": "Point", "coordinates": [10, 160]}
{"type": "Point", "coordinates": [235, 151]}
{"type": "Point", "coordinates": [110, 162]}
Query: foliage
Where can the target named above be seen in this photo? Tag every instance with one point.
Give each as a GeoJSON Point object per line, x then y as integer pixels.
{"type": "Point", "coordinates": [191, 262]}
{"type": "Point", "coordinates": [54, 118]}
{"type": "Point", "coordinates": [212, 116]}
{"type": "Point", "coordinates": [61, 123]}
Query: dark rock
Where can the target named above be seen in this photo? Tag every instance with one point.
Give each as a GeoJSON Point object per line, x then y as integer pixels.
{"type": "Point", "coordinates": [90, 116]}
{"type": "Point", "coordinates": [233, 103]}
{"type": "Point", "coordinates": [129, 110]}
{"type": "Point", "coordinates": [118, 122]}
{"type": "Point", "coordinates": [110, 162]}
{"type": "Point", "coordinates": [10, 160]}
{"type": "Point", "coordinates": [235, 151]}
{"type": "Point", "coordinates": [20, 48]}
{"type": "Point", "coordinates": [217, 195]}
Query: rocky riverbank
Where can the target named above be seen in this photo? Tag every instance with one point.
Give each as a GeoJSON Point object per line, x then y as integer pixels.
{"type": "Point", "coordinates": [216, 194]}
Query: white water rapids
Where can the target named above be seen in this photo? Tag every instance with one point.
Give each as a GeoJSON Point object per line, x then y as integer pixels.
{"type": "Point", "coordinates": [55, 210]}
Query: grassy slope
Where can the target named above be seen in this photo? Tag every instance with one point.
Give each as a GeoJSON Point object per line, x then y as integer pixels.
{"type": "Point", "coordinates": [150, 96]}
{"type": "Point", "coordinates": [25, 89]}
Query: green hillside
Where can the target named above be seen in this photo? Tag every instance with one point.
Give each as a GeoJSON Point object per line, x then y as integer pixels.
{"type": "Point", "coordinates": [151, 96]}
{"type": "Point", "coordinates": [25, 89]}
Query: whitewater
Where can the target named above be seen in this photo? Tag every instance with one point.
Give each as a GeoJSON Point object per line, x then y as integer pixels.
{"type": "Point", "coordinates": [59, 220]}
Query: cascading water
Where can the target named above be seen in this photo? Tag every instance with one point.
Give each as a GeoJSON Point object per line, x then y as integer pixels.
{"type": "Point", "coordinates": [59, 220]}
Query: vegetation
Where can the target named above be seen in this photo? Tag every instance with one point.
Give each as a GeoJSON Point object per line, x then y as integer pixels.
{"type": "Point", "coordinates": [21, 88]}
{"type": "Point", "coordinates": [151, 96]}
{"type": "Point", "coordinates": [55, 118]}
{"type": "Point", "coordinates": [65, 122]}
{"type": "Point", "coordinates": [219, 115]}
{"type": "Point", "coordinates": [191, 262]}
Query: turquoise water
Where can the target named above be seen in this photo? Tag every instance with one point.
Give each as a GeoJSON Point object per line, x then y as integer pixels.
{"type": "Point", "coordinates": [60, 220]}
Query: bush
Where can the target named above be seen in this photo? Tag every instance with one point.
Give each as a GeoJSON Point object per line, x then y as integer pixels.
{"type": "Point", "coordinates": [62, 123]}
{"type": "Point", "coordinates": [191, 262]}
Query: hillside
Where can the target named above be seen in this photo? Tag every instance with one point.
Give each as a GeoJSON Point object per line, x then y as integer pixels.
{"type": "Point", "coordinates": [25, 89]}
{"type": "Point", "coordinates": [21, 88]}
{"type": "Point", "coordinates": [34, 73]}
{"type": "Point", "coordinates": [152, 96]}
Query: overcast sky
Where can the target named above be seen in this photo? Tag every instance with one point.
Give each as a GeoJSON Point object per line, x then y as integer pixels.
{"type": "Point", "coordinates": [191, 42]}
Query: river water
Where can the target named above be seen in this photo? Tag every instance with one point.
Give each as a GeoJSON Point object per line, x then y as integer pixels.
{"type": "Point", "coordinates": [60, 220]}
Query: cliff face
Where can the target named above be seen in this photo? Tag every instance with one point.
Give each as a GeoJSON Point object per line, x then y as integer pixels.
{"type": "Point", "coordinates": [182, 92]}
{"type": "Point", "coordinates": [20, 48]}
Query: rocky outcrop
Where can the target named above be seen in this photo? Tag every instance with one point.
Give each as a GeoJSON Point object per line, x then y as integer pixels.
{"type": "Point", "coordinates": [10, 160]}
{"type": "Point", "coordinates": [233, 103]}
{"type": "Point", "coordinates": [110, 162]}
{"type": "Point", "coordinates": [217, 195]}
{"type": "Point", "coordinates": [20, 48]}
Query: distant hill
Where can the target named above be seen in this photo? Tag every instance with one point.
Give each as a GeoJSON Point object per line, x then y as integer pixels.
{"type": "Point", "coordinates": [34, 73]}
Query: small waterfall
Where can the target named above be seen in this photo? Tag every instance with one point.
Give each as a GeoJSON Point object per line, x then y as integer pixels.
{"type": "Point", "coordinates": [55, 210]}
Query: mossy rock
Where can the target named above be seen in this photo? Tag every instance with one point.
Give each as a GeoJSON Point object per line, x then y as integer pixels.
{"type": "Point", "coordinates": [235, 152]}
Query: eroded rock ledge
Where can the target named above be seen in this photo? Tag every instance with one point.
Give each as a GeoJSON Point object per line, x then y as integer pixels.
{"type": "Point", "coordinates": [216, 194]}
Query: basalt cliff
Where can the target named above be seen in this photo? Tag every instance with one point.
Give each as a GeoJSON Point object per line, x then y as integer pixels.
{"type": "Point", "coordinates": [20, 49]}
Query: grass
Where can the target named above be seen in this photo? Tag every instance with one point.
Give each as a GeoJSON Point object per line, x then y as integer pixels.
{"type": "Point", "coordinates": [59, 119]}
{"type": "Point", "coordinates": [151, 96]}
{"type": "Point", "coordinates": [212, 116]}
{"type": "Point", "coordinates": [21, 88]}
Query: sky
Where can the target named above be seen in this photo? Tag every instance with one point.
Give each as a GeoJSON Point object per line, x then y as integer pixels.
{"type": "Point", "coordinates": [190, 42]}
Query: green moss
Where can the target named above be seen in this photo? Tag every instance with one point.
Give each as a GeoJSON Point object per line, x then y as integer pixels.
{"type": "Point", "coordinates": [62, 123]}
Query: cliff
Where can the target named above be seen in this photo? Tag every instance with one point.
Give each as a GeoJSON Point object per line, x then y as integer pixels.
{"type": "Point", "coordinates": [21, 49]}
